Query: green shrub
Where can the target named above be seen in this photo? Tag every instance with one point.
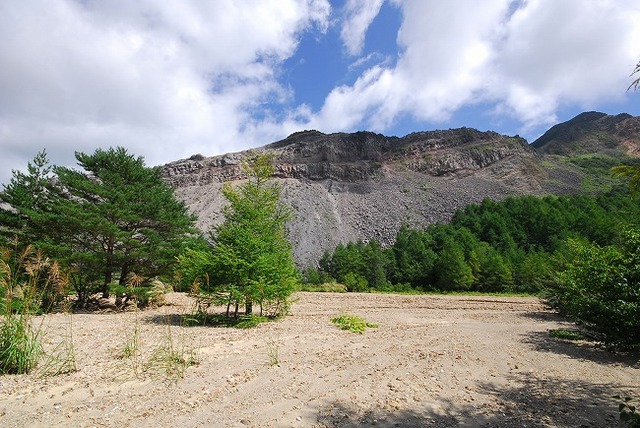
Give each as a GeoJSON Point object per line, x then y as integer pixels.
{"type": "Point", "coordinates": [315, 276]}
{"type": "Point", "coordinates": [600, 288]}
{"type": "Point", "coordinates": [352, 323]}
{"type": "Point", "coordinates": [20, 347]}
{"type": "Point", "coordinates": [355, 282]}
{"type": "Point", "coordinates": [26, 276]}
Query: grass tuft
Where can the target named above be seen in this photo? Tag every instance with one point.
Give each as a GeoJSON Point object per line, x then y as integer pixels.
{"type": "Point", "coordinates": [567, 334]}
{"type": "Point", "coordinates": [20, 347]}
{"type": "Point", "coordinates": [273, 352]}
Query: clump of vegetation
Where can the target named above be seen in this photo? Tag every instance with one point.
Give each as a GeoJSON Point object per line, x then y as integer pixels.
{"type": "Point", "coordinates": [167, 361]}
{"type": "Point", "coordinates": [273, 352]}
{"type": "Point", "coordinates": [27, 279]}
{"type": "Point", "coordinates": [327, 287]}
{"type": "Point", "coordinates": [567, 334]}
{"type": "Point", "coordinates": [247, 260]}
{"type": "Point", "coordinates": [60, 360]}
{"type": "Point", "coordinates": [170, 359]}
{"type": "Point", "coordinates": [599, 289]}
{"type": "Point", "coordinates": [352, 323]}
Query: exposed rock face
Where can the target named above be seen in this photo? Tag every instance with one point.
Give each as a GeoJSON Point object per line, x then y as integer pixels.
{"type": "Point", "coordinates": [347, 187]}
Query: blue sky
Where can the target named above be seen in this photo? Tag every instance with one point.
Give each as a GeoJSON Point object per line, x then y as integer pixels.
{"type": "Point", "coordinates": [173, 78]}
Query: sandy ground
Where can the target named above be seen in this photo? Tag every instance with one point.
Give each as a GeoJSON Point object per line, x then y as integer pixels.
{"type": "Point", "coordinates": [433, 361]}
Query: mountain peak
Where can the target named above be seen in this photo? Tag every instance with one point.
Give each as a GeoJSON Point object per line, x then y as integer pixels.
{"type": "Point", "coordinates": [591, 132]}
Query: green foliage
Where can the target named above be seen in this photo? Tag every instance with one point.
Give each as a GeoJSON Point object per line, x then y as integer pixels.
{"type": "Point", "coordinates": [600, 288]}
{"type": "Point", "coordinates": [25, 276]}
{"type": "Point", "coordinates": [567, 334]}
{"type": "Point", "coordinates": [113, 217]}
{"type": "Point", "coordinates": [632, 172]}
{"type": "Point", "coordinates": [452, 271]}
{"type": "Point", "coordinates": [360, 266]}
{"type": "Point", "coordinates": [194, 265]}
{"type": "Point", "coordinates": [250, 321]}
{"type": "Point", "coordinates": [516, 245]}
{"type": "Point", "coordinates": [355, 282]}
{"type": "Point", "coordinates": [352, 323]}
{"type": "Point", "coordinates": [25, 196]}
{"type": "Point", "coordinates": [414, 258]}
{"type": "Point", "coordinates": [315, 276]}
{"type": "Point", "coordinates": [249, 258]}
{"type": "Point", "coordinates": [20, 347]}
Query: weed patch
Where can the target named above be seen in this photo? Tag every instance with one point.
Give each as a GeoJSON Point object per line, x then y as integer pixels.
{"type": "Point", "coordinates": [352, 323]}
{"type": "Point", "coordinates": [567, 334]}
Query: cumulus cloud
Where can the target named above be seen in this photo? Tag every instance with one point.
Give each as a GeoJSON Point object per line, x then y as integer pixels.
{"type": "Point", "coordinates": [165, 79]}
{"type": "Point", "coordinates": [171, 78]}
{"type": "Point", "coordinates": [526, 58]}
{"type": "Point", "coordinates": [358, 16]}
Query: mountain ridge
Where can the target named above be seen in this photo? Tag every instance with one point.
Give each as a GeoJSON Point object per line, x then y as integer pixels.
{"type": "Point", "coordinates": [359, 186]}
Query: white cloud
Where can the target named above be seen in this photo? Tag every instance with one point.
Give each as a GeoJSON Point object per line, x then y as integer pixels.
{"type": "Point", "coordinates": [527, 58]}
{"type": "Point", "coordinates": [444, 50]}
{"type": "Point", "coordinates": [563, 52]}
{"type": "Point", "coordinates": [170, 78]}
{"type": "Point", "coordinates": [358, 16]}
{"type": "Point", "coordinates": [164, 79]}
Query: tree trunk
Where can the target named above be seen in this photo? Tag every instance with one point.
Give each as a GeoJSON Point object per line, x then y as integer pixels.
{"type": "Point", "coordinates": [229, 304]}
{"type": "Point", "coordinates": [248, 308]}
{"type": "Point", "coordinates": [124, 273]}
{"type": "Point", "coordinates": [108, 276]}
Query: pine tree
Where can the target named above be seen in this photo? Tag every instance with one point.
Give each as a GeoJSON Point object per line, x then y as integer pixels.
{"type": "Point", "coordinates": [253, 258]}
{"type": "Point", "coordinates": [25, 195]}
{"type": "Point", "coordinates": [114, 217]}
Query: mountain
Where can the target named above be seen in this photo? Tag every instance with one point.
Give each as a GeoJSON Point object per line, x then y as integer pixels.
{"type": "Point", "coordinates": [357, 186]}
{"type": "Point", "coordinates": [593, 132]}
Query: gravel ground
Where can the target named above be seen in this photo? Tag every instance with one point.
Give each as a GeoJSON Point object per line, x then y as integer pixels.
{"type": "Point", "coordinates": [433, 361]}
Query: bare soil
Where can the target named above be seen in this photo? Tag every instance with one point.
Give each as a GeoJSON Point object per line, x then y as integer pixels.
{"type": "Point", "coordinates": [433, 361]}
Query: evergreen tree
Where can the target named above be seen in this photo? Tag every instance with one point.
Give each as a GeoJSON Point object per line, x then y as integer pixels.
{"type": "Point", "coordinates": [414, 258]}
{"type": "Point", "coordinates": [22, 198]}
{"type": "Point", "coordinates": [252, 257]}
{"type": "Point", "coordinates": [452, 271]}
{"type": "Point", "coordinates": [114, 217]}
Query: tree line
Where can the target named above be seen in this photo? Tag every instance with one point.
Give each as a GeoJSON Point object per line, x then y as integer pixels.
{"type": "Point", "coordinates": [512, 245]}
{"type": "Point", "coordinates": [580, 252]}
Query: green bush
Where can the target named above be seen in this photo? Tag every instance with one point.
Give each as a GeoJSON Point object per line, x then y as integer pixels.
{"type": "Point", "coordinates": [600, 288]}
{"type": "Point", "coordinates": [20, 347]}
{"type": "Point", "coordinates": [355, 282]}
{"type": "Point", "coordinates": [352, 323]}
{"type": "Point", "coordinates": [26, 276]}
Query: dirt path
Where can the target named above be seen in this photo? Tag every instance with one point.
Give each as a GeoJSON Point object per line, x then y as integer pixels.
{"type": "Point", "coordinates": [434, 361]}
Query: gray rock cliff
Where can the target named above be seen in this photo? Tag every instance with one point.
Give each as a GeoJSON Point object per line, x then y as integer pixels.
{"type": "Point", "coordinates": [347, 187]}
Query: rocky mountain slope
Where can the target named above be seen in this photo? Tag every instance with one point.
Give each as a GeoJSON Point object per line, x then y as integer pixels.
{"type": "Point", "coordinates": [347, 187]}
